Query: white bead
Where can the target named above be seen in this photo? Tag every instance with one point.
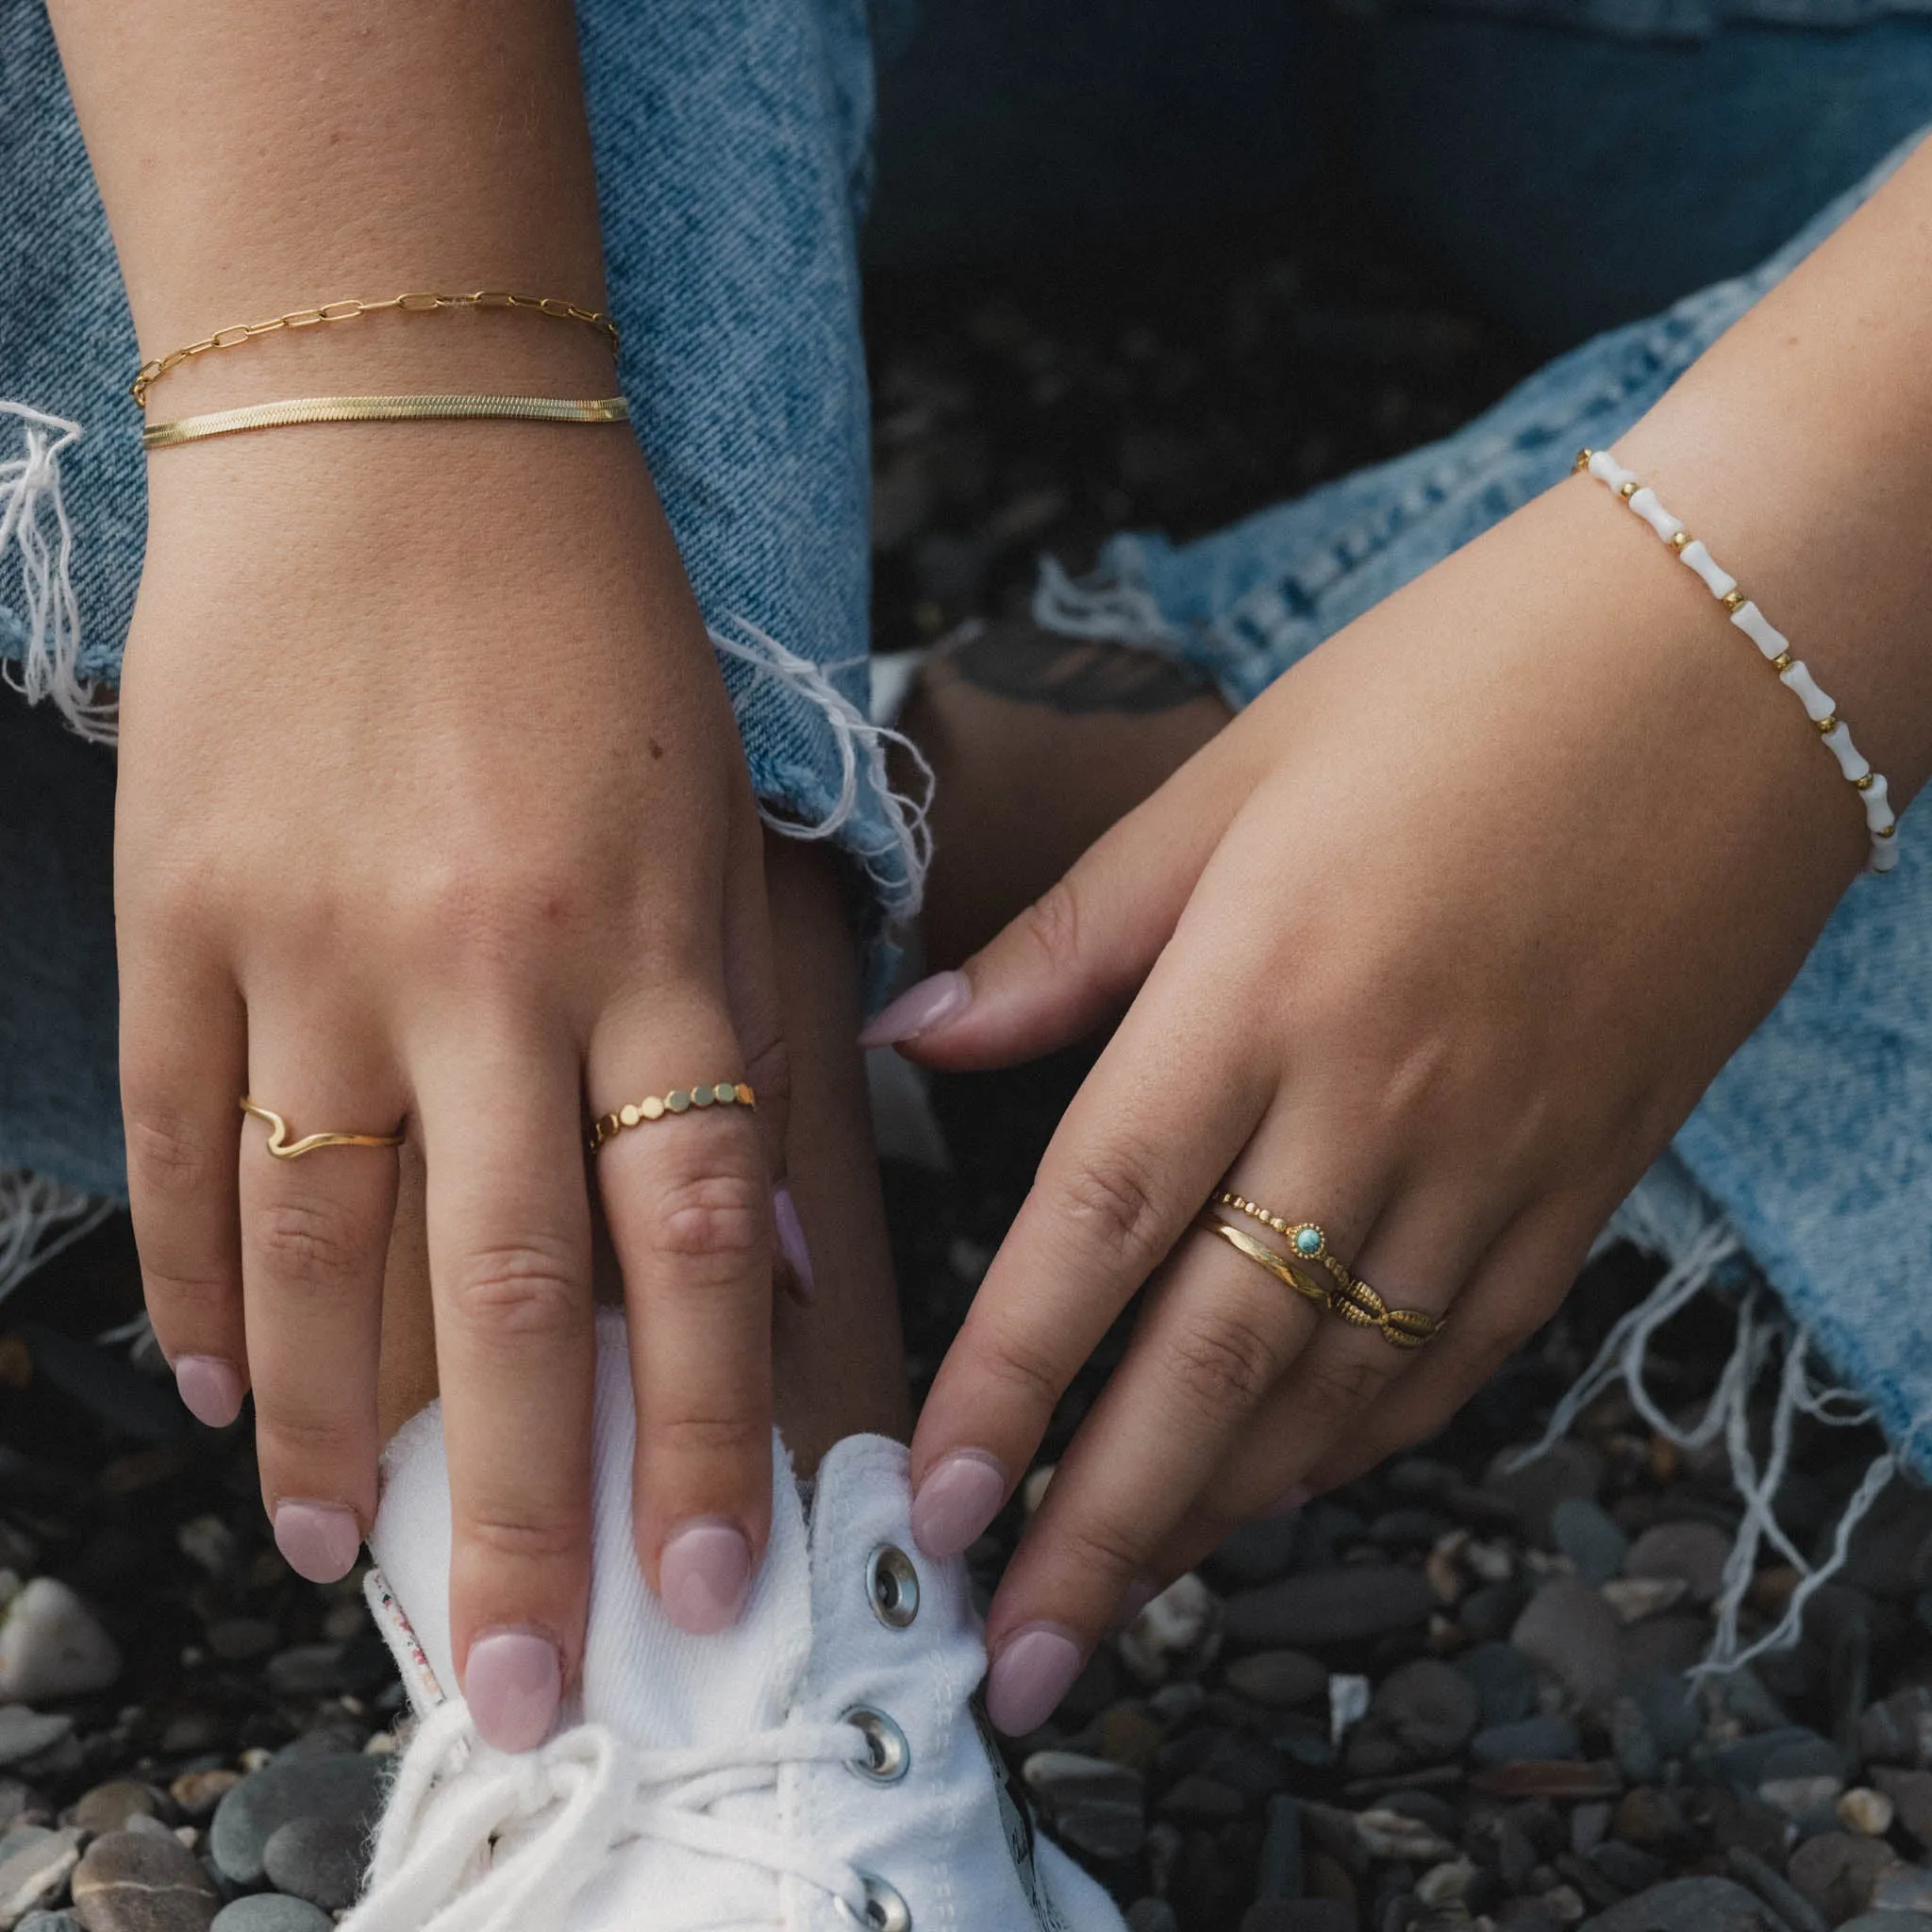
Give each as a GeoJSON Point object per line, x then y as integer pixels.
{"type": "Point", "coordinates": [1838, 741]}
{"type": "Point", "coordinates": [1879, 811]}
{"type": "Point", "coordinates": [1766, 635]}
{"type": "Point", "coordinates": [1606, 469]}
{"type": "Point", "coordinates": [1693, 556]}
{"type": "Point", "coordinates": [1804, 687]}
{"type": "Point", "coordinates": [1884, 854]}
{"type": "Point", "coordinates": [1646, 506]}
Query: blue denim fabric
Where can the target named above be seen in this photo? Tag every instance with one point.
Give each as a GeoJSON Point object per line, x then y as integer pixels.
{"type": "Point", "coordinates": [1815, 1142]}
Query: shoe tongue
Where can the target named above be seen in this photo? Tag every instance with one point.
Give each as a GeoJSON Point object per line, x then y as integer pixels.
{"type": "Point", "coordinates": [643, 1677]}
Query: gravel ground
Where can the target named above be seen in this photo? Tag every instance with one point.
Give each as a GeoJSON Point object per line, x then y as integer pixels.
{"type": "Point", "coordinates": [1452, 1695]}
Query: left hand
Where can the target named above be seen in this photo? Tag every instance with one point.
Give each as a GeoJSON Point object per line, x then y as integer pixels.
{"type": "Point", "coordinates": [1436, 946]}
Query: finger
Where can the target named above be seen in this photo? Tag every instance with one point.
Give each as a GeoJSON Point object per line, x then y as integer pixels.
{"type": "Point", "coordinates": [314, 1238]}
{"type": "Point", "coordinates": [1121, 1179]}
{"type": "Point", "coordinates": [509, 1260]}
{"type": "Point", "coordinates": [1075, 955]}
{"type": "Point", "coordinates": [1217, 1333]}
{"type": "Point", "coordinates": [184, 1064]}
{"type": "Point", "coordinates": [688, 1199]}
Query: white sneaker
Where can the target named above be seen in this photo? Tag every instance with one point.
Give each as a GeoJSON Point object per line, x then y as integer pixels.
{"type": "Point", "coordinates": [820, 1765]}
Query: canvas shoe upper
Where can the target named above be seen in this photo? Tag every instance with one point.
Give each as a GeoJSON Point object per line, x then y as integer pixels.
{"type": "Point", "coordinates": [820, 1765]}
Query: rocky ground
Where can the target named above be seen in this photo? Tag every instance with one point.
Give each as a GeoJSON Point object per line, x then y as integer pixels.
{"type": "Point", "coordinates": [1454, 1696]}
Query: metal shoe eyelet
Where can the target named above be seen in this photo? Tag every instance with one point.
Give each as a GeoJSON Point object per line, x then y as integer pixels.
{"type": "Point", "coordinates": [889, 1755]}
{"type": "Point", "coordinates": [892, 1586]}
{"type": "Point", "coordinates": [885, 1910]}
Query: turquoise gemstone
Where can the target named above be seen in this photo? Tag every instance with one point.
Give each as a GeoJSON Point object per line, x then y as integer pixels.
{"type": "Point", "coordinates": [1308, 1242]}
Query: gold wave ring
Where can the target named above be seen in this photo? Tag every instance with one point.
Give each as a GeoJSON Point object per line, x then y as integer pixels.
{"type": "Point", "coordinates": [282, 1148]}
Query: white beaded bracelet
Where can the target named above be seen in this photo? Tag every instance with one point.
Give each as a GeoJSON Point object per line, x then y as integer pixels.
{"type": "Point", "coordinates": [1879, 819]}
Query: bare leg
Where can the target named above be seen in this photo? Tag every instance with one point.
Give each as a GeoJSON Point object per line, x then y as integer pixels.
{"type": "Point", "coordinates": [1038, 743]}
{"type": "Point", "coordinates": [840, 1364]}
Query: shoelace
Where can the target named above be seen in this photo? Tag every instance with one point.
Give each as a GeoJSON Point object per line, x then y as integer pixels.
{"type": "Point", "coordinates": [476, 1840]}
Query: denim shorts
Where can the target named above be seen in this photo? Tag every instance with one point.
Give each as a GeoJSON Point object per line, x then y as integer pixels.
{"type": "Point", "coordinates": [1621, 179]}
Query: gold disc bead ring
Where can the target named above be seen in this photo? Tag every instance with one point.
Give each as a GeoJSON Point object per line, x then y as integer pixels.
{"type": "Point", "coordinates": [679, 1100]}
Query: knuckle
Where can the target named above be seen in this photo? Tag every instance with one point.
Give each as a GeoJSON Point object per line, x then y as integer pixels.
{"type": "Point", "coordinates": [1051, 926]}
{"type": "Point", "coordinates": [192, 1299]}
{"type": "Point", "coordinates": [712, 1222]}
{"type": "Point", "coordinates": [1112, 1198]}
{"type": "Point", "coordinates": [312, 1241]}
{"type": "Point", "coordinates": [530, 1289]}
{"type": "Point", "coordinates": [298, 1435]}
{"type": "Point", "coordinates": [1098, 1545]}
{"type": "Point", "coordinates": [1225, 1363]}
{"type": "Point", "coordinates": [169, 1156]}
{"type": "Point", "coordinates": [511, 1532]}
{"type": "Point", "coordinates": [1020, 1363]}
{"type": "Point", "coordinates": [709, 1437]}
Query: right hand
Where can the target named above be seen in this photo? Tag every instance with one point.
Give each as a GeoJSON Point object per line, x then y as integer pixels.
{"type": "Point", "coordinates": [432, 809]}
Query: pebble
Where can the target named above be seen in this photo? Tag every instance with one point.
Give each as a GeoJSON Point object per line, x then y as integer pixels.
{"type": "Point", "coordinates": [1798, 1913]}
{"type": "Point", "coordinates": [1329, 1607]}
{"type": "Point", "coordinates": [1888, 1921]}
{"type": "Point", "coordinates": [50, 1922]}
{"type": "Point", "coordinates": [1279, 1679]}
{"type": "Point", "coordinates": [108, 1807]}
{"type": "Point", "coordinates": [346, 1788]}
{"type": "Point", "coordinates": [1801, 1797]}
{"type": "Point", "coordinates": [1568, 1468]}
{"type": "Point", "coordinates": [1895, 1730]}
{"type": "Point", "coordinates": [1684, 1904]}
{"type": "Point", "coordinates": [271, 1911]}
{"type": "Point", "coordinates": [1176, 1628]}
{"type": "Point", "coordinates": [1143, 1915]}
{"type": "Point", "coordinates": [322, 1860]}
{"type": "Point", "coordinates": [1911, 1793]}
{"type": "Point", "coordinates": [1505, 1684]}
{"type": "Point", "coordinates": [1866, 1812]}
{"type": "Point", "coordinates": [1422, 1713]}
{"type": "Point", "coordinates": [26, 1733]}
{"type": "Point", "coordinates": [1837, 1871]}
{"type": "Point", "coordinates": [1256, 1553]}
{"type": "Point", "coordinates": [1299, 1915]}
{"type": "Point", "coordinates": [1569, 1631]}
{"type": "Point", "coordinates": [1585, 1533]}
{"type": "Point", "coordinates": [34, 1874]}
{"type": "Point", "coordinates": [197, 1792]}
{"type": "Point", "coordinates": [1695, 1553]}
{"type": "Point", "coordinates": [1278, 1870]}
{"type": "Point", "coordinates": [134, 1882]}
{"type": "Point", "coordinates": [1391, 1834]}
{"type": "Point", "coordinates": [52, 1646]}
{"type": "Point", "coordinates": [1548, 1779]}
{"type": "Point", "coordinates": [1903, 1888]}
{"type": "Point", "coordinates": [1634, 1598]}
{"type": "Point", "coordinates": [1540, 1738]}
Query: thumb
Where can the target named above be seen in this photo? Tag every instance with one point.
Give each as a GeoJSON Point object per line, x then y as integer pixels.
{"type": "Point", "coordinates": [1075, 957]}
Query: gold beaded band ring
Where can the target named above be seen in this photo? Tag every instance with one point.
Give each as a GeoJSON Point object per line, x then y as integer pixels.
{"type": "Point", "coordinates": [384, 409]}
{"type": "Point", "coordinates": [1351, 1299]}
{"type": "Point", "coordinates": [1283, 1270]}
{"type": "Point", "coordinates": [284, 1149]}
{"type": "Point", "coordinates": [232, 338]}
{"type": "Point", "coordinates": [679, 1100]}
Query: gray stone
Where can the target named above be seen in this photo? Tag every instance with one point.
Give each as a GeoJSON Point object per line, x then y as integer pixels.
{"type": "Point", "coordinates": [1528, 1737]}
{"type": "Point", "coordinates": [1299, 1915]}
{"type": "Point", "coordinates": [1570, 1631]}
{"type": "Point", "coordinates": [1695, 1552]}
{"type": "Point", "coordinates": [1911, 1793]}
{"type": "Point", "coordinates": [53, 1646]}
{"type": "Point", "coordinates": [134, 1882]}
{"type": "Point", "coordinates": [1895, 1730]}
{"type": "Point", "coordinates": [1256, 1553]}
{"type": "Point", "coordinates": [1505, 1684]}
{"type": "Point", "coordinates": [50, 1922]}
{"type": "Point", "coordinates": [1633, 1745]}
{"type": "Point", "coordinates": [1837, 1870]}
{"type": "Point", "coordinates": [1063, 1777]}
{"type": "Point", "coordinates": [1798, 1913]}
{"type": "Point", "coordinates": [1747, 1762]}
{"type": "Point", "coordinates": [270, 1912]}
{"type": "Point", "coordinates": [26, 1733]}
{"type": "Point", "coordinates": [1567, 1470]}
{"type": "Point", "coordinates": [1888, 1921]}
{"type": "Point", "coordinates": [1669, 1643]}
{"type": "Point", "coordinates": [1903, 1888]}
{"type": "Point", "coordinates": [1279, 1678]}
{"type": "Point", "coordinates": [1422, 1713]}
{"type": "Point", "coordinates": [1585, 1534]}
{"type": "Point", "coordinates": [346, 1788]}
{"type": "Point", "coordinates": [1330, 1607]}
{"type": "Point", "coordinates": [1669, 1707]}
{"type": "Point", "coordinates": [322, 1859]}
{"type": "Point", "coordinates": [1279, 1871]}
{"type": "Point", "coordinates": [1627, 1867]}
{"type": "Point", "coordinates": [1684, 1905]}
{"type": "Point", "coordinates": [1153, 1915]}
{"type": "Point", "coordinates": [108, 1808]}
{"type": "Point", "coordinates": [36, 1873]}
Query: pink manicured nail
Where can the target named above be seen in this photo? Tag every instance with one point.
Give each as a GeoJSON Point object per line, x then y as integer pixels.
{"type": "Point", "coordinates": [1290, 1501]}
{"type": "Point", "coordinates": [1035, 1669]}
{"type": "Point", "coordinates": [210, 1388]}
{"type": "Point", "coordinates": [319, 1540]}
{"type": "Point", "coordinates": [960, 1495]}
{"type": "Point", "coordinates": [917, 1009]}
{"type": "Point", "coordinates": [514, 1681]}
{"type": "Point", "coordinates": [703, 1576]}
{"type": "Point", "coordinates": [792, 1241]}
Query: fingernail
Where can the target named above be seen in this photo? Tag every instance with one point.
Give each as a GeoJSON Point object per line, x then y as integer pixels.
{"type": "Point", "coordinates": [1290, 1501]}
{"type": "Point", "coordinates": [960, 1495]}
{"type": "Point", "coordinates": [210, 1388]}
{"type": "Point", "coordinates": [1134, 1599]}
{"type": "Point", "coordinates": [514, 1681]}
{"type": "Point", "coordinates": [319, 1540]}
{"type": "Point", "coordinates": [1035, 1669]}
{"type": "Point", "coordinates": [791, 1243]}
{"type": "Point", "coordinates": [703, 1576]}
{"type": "Point", "coordinates": [918, 1008]}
